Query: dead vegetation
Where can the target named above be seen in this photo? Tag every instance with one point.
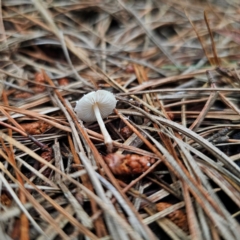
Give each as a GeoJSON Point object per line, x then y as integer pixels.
{"type": "Point", "coordinates": [174, 69]}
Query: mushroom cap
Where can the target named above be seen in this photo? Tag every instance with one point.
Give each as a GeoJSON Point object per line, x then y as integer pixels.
{"type": "Point", "coordinates": [105, 101]}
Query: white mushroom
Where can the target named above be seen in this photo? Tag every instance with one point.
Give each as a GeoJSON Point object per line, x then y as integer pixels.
{"type": "Point", "coordinates": [93, 107]}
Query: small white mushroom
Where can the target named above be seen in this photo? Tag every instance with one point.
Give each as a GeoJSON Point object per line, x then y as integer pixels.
{"type": "Point", "coordinates": [95, 106]}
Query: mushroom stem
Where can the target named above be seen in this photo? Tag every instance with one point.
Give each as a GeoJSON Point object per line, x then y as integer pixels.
{"type": "Point", "coordinates": [107, 137]}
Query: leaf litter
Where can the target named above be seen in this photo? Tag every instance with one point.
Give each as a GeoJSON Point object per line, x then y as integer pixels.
{"type": "Point", "coordinates": [174, 170]}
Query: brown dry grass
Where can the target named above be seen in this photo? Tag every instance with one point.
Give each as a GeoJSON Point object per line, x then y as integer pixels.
{"type": "Point", "coordinates": [174, 68]}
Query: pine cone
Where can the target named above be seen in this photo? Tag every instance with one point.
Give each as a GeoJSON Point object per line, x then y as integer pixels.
{"type": "Point", "coordinates": [126, 132]}
{"type": "Point", "coordinates": [39, 78]}
{"type": "Point", "coordinates": [128, 164]}
{"type": "Point", "coordinates": [63, 81]}
{"type": "Point", "coordinates": [37, 127]}
{"type": "Point", "coordinates": [5, 199]}
{"type": "Point", "coordinates": [178, 216]}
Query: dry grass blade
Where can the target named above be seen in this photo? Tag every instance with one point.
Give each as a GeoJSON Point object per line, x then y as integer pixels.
{"type": "Point", "coordinates": [112, 224]}
{"type": "Point", "coordinates": [19, 203]}
{"type": "Point", "coordinates": [195, 191]}
{"type": "Point", "coordinates": [42, 211]}
{"type": "Point", "coordinates": [220, 155]}
{"type": "Point", "coordinates": [103, 205]}
{"type": "Point", "coordinates": [217, 62]}
{"type": "Point", "coordinates": [163, 213]}
{"type": "Point", "coordinates": [149, 33]}
{"type": "Point", "coordinates": [98, 158]}
{"type": "Point", "coordinates": [61, 220]}
{"type": "Point", "coordinates": [79, 211]}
